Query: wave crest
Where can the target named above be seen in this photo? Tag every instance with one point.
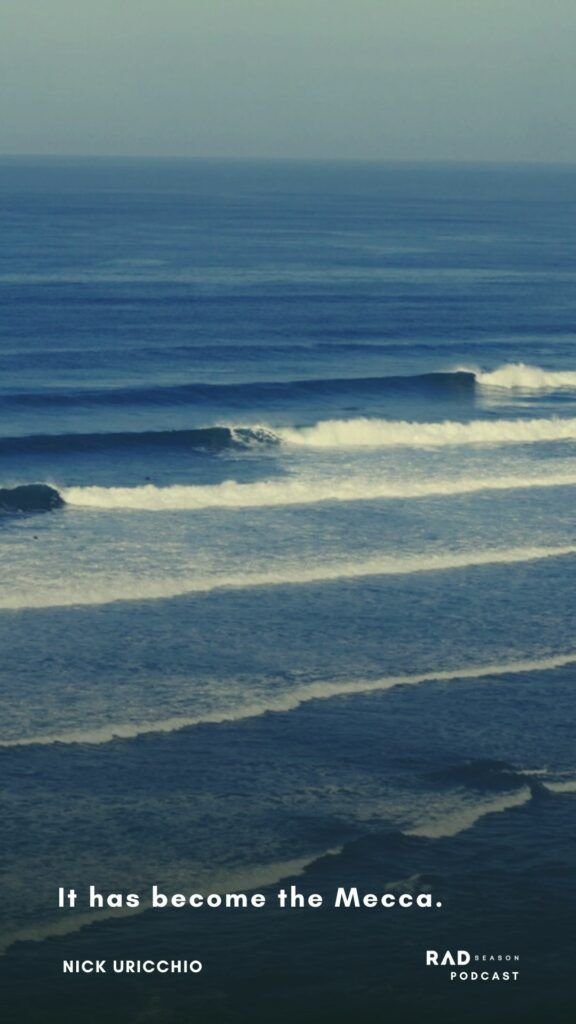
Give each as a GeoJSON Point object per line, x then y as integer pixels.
{"type": "Point", "coordinates": [270, 493]}
{"type": "Point", "coordinates": [365, 432]}
{"type": "Point", "coordinates": [523, 377]}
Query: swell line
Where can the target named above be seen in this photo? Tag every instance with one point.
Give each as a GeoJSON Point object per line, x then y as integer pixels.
{"type": "Point", "coordinates": [361, 431]}
{"type": "Point", "coordinates": [204, 439]}
{"type": "Point", "coordinates": [245, 393]}
{"type": "Point", "coordinates": [288, 702]}
{"type": "Point", "coordinates": [282, 577]}
{"type": "Point", "coordinates": [232, 494]}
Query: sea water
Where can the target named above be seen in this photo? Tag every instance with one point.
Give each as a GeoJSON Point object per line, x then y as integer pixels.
{"type": "Point", "coordinates": [308, 600]}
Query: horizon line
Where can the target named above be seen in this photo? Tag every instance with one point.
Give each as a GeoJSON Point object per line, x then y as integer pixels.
{"type": "Point", "coordinates": [220, 158]}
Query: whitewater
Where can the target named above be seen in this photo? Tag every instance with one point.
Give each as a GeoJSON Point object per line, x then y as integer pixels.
{"type": "Point", "coordinates": [523, 377]}
{"type": "Point", "coordinates": [366, 432]}
{"type": "Point", "coordinates": [69, 592]}
{"type": "Point", "coordinates": [295, 491]}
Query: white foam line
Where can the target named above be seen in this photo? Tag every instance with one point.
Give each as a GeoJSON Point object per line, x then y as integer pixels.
{"type": "Point", "coordinates": [466, 817]}
{"type": "Point", "coordinates": [365, 432]}
{"type": "Point", "coordinates": [522, 377]}
{"type": "Point", "coordinates": [287, 702]}
{"type": "Point", "coordinates": [282, 577]}
{"type": "Point", "coordinates": [568, 786]}
{"type": "Point", "coordinates": [232, 494]}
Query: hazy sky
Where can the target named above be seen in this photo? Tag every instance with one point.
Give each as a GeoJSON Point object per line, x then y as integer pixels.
{"type": "Point", "coordinates": [391, 79]}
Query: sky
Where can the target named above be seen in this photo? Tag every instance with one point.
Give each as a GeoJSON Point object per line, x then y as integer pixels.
{"type": "Point", "coordinates": [361, 79]}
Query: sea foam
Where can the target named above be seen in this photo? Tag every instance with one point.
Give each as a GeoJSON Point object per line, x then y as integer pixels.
{"type": "Point", "coordinates": [365, 432]}
{"type": "Point", "coordinates": [110, 590]}
{"type": "Point", "coordinates": [463, 818]}
{"type": "Point", "coordinates": [521, 376]}
{"type": "Point", "coordinates": [295, 491]}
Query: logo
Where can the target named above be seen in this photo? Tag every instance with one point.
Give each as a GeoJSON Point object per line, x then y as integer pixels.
{"type": "Point", "coordinates": [475, 967]}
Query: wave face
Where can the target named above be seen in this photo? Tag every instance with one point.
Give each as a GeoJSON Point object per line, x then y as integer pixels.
{"type": "Point", "coordinates": [231, 494]}
{"type": "Point", "coordinates": [30, 498]}
{"type": "Point", "coordinates": [72, 594]}
{"type": "Point", "coordinates": [242, 395]}
{"type": "Point", "coordinates": [364, 432]}
{"type": "Point", "coordinates": [522, 377]}
{"type": "Point", "coordinates": [212, 439]}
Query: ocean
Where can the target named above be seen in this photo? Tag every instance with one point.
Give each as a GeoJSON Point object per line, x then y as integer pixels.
{"type": "Point", "coordinates": [287, 548]}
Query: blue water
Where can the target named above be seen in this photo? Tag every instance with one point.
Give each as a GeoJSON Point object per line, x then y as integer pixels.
{"type": "Point", "coordinates": [310, 586]}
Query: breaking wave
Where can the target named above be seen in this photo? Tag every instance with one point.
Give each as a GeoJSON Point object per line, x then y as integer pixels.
{"type": "Point", "coordinates": [364, 432]}
{"type": "Point", "coordinates": [522, 377]}
{"type": "Point", "coordinates": [349, 433]}
{"type": "Point", "coordinates": [288, 701]}
{"type": "Point", "coordinates": [466, 817]}
{"type": "Point", "coordinates": [250, 393]}
{"type": "Point", "coordinates": [30, 498]}
{"type": "Point", "coordinates": [163, 589]}
{"type": "Point", "coordinates": [518, 788]}
{"type": "Point", "coordinates": [566, 786]}
{"type": "Point", "coordinates": [232, 494]}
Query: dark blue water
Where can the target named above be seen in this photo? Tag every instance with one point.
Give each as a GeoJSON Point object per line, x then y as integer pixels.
{"type": "Point", "coordinates": [307, 585]}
